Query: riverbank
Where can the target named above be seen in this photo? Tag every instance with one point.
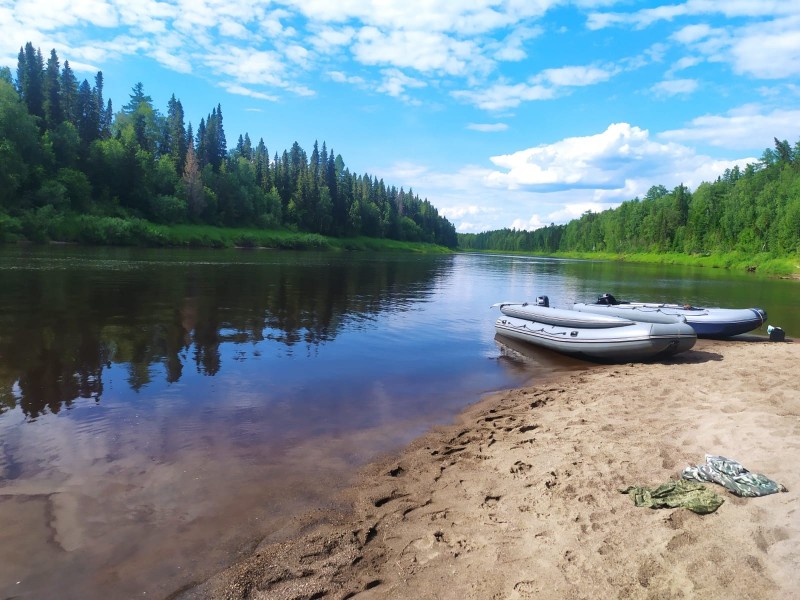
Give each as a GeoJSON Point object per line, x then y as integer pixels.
{"type": "Point", "coordinates": [764, 263]}
{"type": "Point", "coordinates": [520, 497]}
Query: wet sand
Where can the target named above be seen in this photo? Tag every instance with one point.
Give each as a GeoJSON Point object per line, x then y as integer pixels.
{"type": "Point", "coordinates": [520, 497]}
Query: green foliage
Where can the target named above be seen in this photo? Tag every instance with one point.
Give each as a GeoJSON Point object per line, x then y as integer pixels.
{"type": "Point", "coordinates": [10, 228]}
{"type": "Point", "coordinates": [167, 210]}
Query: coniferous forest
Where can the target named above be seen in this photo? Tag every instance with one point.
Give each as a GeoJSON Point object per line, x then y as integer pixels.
{"type": "Point", "coordinates": [749, 211]}
{"type": "Point", "coordinates": [72, 169]}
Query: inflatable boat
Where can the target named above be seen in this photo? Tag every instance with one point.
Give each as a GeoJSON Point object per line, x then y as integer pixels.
{"type": "Point", "coordinates": [597, 337]}
{"type": "Point", "coordinates": [707, 322]}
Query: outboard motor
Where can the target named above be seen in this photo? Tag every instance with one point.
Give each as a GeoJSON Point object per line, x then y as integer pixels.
{"type": "Point", "coordinates": [607, 299]}
{"type": "Point", "coordinates": [542, 301]}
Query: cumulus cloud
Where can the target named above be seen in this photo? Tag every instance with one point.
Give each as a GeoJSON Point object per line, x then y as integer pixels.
{"type": "Point", "coordinates": [603, 160]}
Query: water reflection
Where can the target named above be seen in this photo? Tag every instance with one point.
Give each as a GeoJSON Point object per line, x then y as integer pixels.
{"type": "Point", "coordinates": [65, 318]}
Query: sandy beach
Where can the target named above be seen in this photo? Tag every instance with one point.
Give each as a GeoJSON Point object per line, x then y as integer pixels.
{"type": "Point", "coordinates": [520, 497]}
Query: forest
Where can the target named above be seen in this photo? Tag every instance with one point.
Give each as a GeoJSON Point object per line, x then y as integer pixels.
{"type": "Point", "coordinates": [71, 169]}
{"type": "Point", "coordinates": [751, 211]}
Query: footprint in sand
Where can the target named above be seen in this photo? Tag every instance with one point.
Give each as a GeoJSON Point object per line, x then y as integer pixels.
{"type": "Point", "coordinates": [526, 589]}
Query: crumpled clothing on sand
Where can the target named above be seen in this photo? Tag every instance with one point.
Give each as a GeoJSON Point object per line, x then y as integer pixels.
{"type": "Point", "coordinates": [676, 493]}
{"type": "Point", "coordinates": [733, 476]}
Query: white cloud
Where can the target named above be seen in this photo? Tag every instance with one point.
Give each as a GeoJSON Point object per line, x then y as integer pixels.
{"type": "Point", "coordinates": [675, 87]}
{"type": "Point", "coordinates": [426, 52]}
{"type": "Point", "coordinates": [747, 127]}
{"type": "Point", "coordinates": [598, 161]}
{"type": "Point", "coordinates": [576, 76]}
{"type": "Point", "coordinates": [248, 65]}
{"type": "Point", "coordinates": [768, 50]}
{"type": "Point", "coordinates": [502, 95]}
{"type": "Point", "coordinates": [298, 55]}
{"type": "Point", "coordinates": [546, 85]}
{"type": "Point", "coordinates": [694, 33]}
{"type": "Point", "coordinates": [533, 223]}
{"type": "Point", "coordinates": [341, 77]}
{"type": "Point", "coordinates": [240, 90]}
{"type": "Point", "coordinates": [730, 9]}
{"type": "Point", "coordinates": [767, 47]}
{"type": "Point", "coordinates": [487, 127]}
{"type": "Point", "coordinates": [228, 28]}
{"type": "Point", "coordinates": [466, 18]}
{"type": "Point", "coordinates": [173, 62]}
{"type": "Point", "coordinates": [395, 83]}
{"type": "Point", "coordinates": [327, 38]}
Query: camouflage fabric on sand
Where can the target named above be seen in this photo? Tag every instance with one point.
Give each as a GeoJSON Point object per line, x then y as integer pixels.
{"type": "Point", "coordinates": [733, 476]}
{"type": "Point", "coordinates": [674, 494]}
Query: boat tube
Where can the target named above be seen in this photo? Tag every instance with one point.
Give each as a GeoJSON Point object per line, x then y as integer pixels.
{"type": "Point", "coordinates": [707, 322]}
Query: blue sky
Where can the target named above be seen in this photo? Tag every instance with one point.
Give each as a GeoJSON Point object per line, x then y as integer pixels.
{"type": "Point", "coordinates": [502, 113]}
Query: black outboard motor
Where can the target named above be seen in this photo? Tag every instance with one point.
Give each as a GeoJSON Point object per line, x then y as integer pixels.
{"type": "Point", "coordinates": [542, 301]}
{"type": "Point", "coordinates": [607, 299]}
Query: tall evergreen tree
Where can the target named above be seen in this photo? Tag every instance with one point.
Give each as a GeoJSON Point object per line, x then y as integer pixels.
{"type": "Point", "coordinates": [263, 178]}
{"type": "Point", "coordinates": [86, 114]}
{"type": "Point", "coordinates": [137, 97]}
{"type": "Point", "coordinates": [106, 121]}
{"type": "Point", "coordinates": [221, 148]}
{"type": "Point", "coordinates": [69, 94]}
{"type": "Point", "coordinates": [200, 146]}
{"type": "Point", "coordinates": [247, 147]}
{"type": "Point", "coordinates": [175, 133]}
{"type": "Point", "coordinates": [30, 80]}
{"type": "Point", "coordinates": [52, 91]}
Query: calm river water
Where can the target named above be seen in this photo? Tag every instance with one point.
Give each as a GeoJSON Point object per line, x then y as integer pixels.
{"type": "Point", "coordinates": [160, 411]}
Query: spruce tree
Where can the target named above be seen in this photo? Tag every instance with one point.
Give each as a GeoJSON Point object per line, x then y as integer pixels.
{"type": "Point", "coordinates": [69, 94]}
{"type": "Point", "coordinates": [52, 87]}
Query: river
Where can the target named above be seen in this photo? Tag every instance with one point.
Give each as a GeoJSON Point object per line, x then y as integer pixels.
{"type": "Point", "coordinates": [163, 410]}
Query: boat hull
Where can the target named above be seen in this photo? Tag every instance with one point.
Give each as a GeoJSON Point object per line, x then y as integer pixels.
{"type": "Point", "coordinates": [707, 322]}
{"type": "Point", "coordinates": [632, 342]}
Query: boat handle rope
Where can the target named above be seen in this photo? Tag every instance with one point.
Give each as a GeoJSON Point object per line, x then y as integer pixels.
{"type": "Point", "coordinates": [541, 329]}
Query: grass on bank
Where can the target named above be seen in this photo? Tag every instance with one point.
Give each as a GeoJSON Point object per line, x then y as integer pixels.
{"type": "Point", "coordinates": [764, 263]}
{"type": "Point", "coordinates": [95, 230]}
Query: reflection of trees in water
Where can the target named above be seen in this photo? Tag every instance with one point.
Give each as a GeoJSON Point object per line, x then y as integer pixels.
{"type": "Point", "coordinates": [65, 326]}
